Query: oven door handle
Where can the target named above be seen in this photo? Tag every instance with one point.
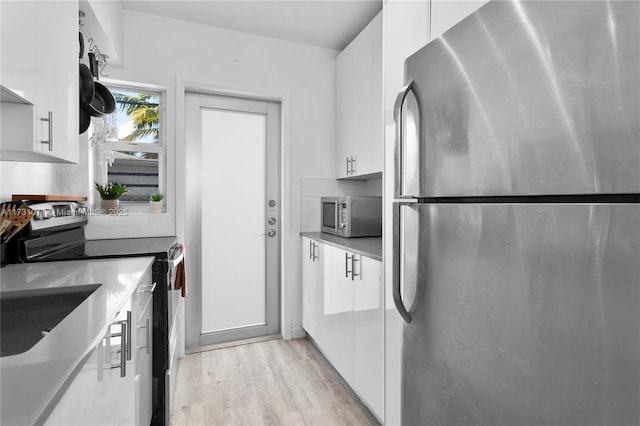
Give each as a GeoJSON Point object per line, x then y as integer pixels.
{"type": "Point", "coordinates": [176, 261]}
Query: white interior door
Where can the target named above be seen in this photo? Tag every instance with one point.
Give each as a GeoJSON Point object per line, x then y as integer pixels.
{"type": "Point", "coordinates": [234, 145]}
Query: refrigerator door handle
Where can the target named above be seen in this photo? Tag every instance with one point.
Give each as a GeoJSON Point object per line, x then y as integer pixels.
{"type": "Point", "coordinates": [397, 263]}
{"type": "Point", "coordinates": [399, 138]}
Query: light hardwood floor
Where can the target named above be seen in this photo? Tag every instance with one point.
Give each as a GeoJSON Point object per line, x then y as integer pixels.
{"type": "Point", "coordinates": [275, 382]}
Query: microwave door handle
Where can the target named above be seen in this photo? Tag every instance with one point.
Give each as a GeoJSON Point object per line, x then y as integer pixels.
{"type": "Point", "coordinates": [336, 211]}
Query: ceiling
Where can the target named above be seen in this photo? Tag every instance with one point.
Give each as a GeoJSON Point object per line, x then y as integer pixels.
{"type": "Point", "coordinates": [326, 23]}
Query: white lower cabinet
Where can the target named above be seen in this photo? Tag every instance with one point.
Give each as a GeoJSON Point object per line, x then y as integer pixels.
{"type": "Point", "coordinates": [368, 341]}
{"type": "Point", "coordinates": [312, 276]}
{"type": "Point", "coordinates": [343, 313]}
{"type": "Point", "coordinates": [335, 334]}
{"type": "Point", "coordinates": [86, 401]}
{"type": "Point", "coordinates": [105, 392]}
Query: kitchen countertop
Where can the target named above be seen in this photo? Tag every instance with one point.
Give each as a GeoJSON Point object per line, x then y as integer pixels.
{"type": "Point", "coordinates": [366, 246]}
{"type": "Point", "coordinates": [32, 380]}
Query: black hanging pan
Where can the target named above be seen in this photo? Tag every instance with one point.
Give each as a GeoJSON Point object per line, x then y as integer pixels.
{"type": "Point", "coordinates": [85, 120]}
{"type": "Point", "coordinates": [81, 53]}
{"type": "Point", "coordinates": [103, 102]}
{"type": "Point", "coordinates": [87, 88]}
{"type": "Point", "coordinates": [87, 92]}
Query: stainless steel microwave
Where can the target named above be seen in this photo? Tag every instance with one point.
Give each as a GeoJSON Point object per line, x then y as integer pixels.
{"type": "Point", "coordinates": [351, 216]}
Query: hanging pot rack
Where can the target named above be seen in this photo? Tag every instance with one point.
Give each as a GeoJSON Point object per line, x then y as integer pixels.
{"type": "Point", "coordinates": [93, 47]}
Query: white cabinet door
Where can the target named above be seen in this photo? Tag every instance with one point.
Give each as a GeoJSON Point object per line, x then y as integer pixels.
{"type": "Point", "coordinates": [368, 348]}
{"type": "Point", "coordinates": [103, 393]}
{"type": "Point", "coordinates": [39, 48]}
{"type": "Point", "coordinates": [376, 146]}
{"type": "Point", "coordinates": [344, 66]}
{"type": "Point", "coordinates": [312, 284]}
{"type": "Point", "coordinates": [131, 395]}
{"type": "Point", "coordinates": [86, 401]}
{"type": "Point", "coordinates": [143, 331]}
{"type": "Point", "coordinates": [334, 335]}
{"type": "Point", "coordinates": [345, 314]}
{"type": "Point", "coordinates": [359, 104]}
{"type": "Point", "coordinates": [447, 13]}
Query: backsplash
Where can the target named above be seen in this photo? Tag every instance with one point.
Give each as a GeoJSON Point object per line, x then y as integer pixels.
{"type": "Point", "coordinates": [312, 189]}
{"type": "Point", "coordinates": [46, 178]}
{"type": "Point", "coordinates": [26, 178]}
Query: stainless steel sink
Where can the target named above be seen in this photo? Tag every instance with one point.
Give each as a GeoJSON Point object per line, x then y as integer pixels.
{"type": "Point", "coordinates": [27, 316]}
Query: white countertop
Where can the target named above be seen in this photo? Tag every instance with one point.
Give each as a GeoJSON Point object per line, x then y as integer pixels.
{"type": "Point", "coordinates": [31, 380]}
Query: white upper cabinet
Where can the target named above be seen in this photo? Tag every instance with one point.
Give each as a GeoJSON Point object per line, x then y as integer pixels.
{"type": "Point", "coordinates": [39, 60]}
{"type": "Point", "coordinates": [359, 109]}
{"type": "Point", "coordinates": [447, 13]}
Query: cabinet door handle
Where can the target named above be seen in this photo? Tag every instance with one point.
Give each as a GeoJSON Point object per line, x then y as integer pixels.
{"type": "Point", "coordinates": [348, 163]}
{"type": "Point", "coordinates": [123, 347]}
{"type": "Point", "coordinates": [353, 268]}
{"type": "Point", "coordinates": [353, 165]}
{"type": "Point", "coordinates": [129, 333]}
{"type": "Point", "coordinates": [123, 351]}
{"type": "Point", "coordinates": [49, 121]}
{"type": "Point", "coordinates": [315, 256]}
{"type": "Point", "coordinates": [147, 346]}
{"type": "Point", "coordinates": [348, 258]}
{"type": "Point", "coordinates": [310, 248]}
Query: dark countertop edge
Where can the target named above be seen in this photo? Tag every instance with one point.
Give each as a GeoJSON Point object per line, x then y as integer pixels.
{"type": "Point", "coordinates": [366, 246]}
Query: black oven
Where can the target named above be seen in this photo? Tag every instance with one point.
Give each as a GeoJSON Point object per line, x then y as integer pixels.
{"type": "Point", "coordinates": [62, 239]}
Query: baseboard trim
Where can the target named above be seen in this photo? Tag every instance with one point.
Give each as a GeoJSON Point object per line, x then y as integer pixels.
{"type": "Point", "coordinates": [297, 333]}
{"type": "Point", "coordinates": [231, 344]}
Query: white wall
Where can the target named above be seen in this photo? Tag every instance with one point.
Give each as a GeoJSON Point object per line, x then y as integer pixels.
{"type": "Point", "coordinates": [44, 178]}
{"type": "Point", "coordinates": [175, 54]}
{"type": "Point", "coordinates": [104, 21]}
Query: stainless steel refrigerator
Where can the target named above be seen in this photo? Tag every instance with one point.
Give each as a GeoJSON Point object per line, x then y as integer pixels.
{"type": "Point", "coordinates": [517, 218]}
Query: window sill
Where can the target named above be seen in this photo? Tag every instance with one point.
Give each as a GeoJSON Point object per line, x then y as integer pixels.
{"type": "Point", "coordinates": [128, 209]}
{"type": "Point", "coordinates": [130, 221]}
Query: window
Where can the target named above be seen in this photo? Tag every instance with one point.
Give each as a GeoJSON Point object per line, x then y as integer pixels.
{"type": "Point", "coordinates": [133, 152]}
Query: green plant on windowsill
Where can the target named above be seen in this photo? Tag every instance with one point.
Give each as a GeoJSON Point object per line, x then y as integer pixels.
{"type": "Point", "coordinates": [155, 203]}
{"type": "Point", "coordinates": [156, 196]}
{"type": "Point", "coordinates": [111, 191]}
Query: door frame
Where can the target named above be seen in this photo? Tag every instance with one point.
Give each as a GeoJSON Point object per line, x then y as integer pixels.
{"type": "Point", "coordinates": [192, 216]}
